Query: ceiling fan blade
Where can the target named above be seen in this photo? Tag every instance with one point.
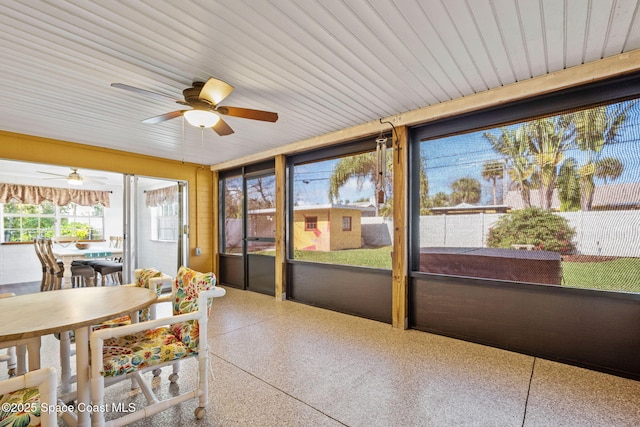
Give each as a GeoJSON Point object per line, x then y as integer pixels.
{"type": "Point", "coordinates": [215, 90]}
{"type": "Point", "coordinates": [143, 91]}
{"type": "Point", "coordinates": [222, 128]}
{"type": "Point", "coordinates": [54, 174]}
{"type": "Point", "coordinates": [164, 117]}
{"type": "Point", "coordinates": [246, 113]}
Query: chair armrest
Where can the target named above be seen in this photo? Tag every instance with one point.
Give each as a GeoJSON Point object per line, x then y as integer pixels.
{"type": "Point", "coordinates": [164, 298]}
{"type": "Point", "coordinates": [102, 334]}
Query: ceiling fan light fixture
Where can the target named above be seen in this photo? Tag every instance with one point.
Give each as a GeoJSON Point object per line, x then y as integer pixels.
{"type": "Point", "coordinates": [74, 179]}
{"type": "Point", "coordinates": [201, 118]}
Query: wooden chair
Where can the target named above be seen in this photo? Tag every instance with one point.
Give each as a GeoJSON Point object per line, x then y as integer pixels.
{"type": "Point", "coordinates": [53, 270]}
{"type": "Point", "coordinates": [29, 399]}
{"type": "Point", "coordinates": [129, 351]}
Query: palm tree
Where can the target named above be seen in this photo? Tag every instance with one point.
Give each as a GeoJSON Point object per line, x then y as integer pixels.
{"type": "Point", "coordinates": [440, 199]}
{"type": "Point", "coordinates": [594, 129]}
{"type": "Point", "coordinates": [568, 184]}
{"type": "Point", "coordinates": [513, 147]}
{"type": "Point", "coordinates": [465, 190]}
{"type": "Point", "coordinates": [547, 139]}
{"type": "Point", "coordinates": [363, 167]}
{"type": "Point", "coordinates": [492, 171]}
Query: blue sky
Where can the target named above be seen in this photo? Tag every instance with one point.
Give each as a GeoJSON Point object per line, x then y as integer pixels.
{"type": "Point", "coordinates": [451, 158]}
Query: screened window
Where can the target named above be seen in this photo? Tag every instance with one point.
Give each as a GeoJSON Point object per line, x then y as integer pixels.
{"type": "Point", "coordinates": [551, 200]}
{"type": "Point", "coordinates": [338, 217]}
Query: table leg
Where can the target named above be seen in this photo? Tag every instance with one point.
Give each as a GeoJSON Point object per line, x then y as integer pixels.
{"type": "Point", "coordinates": [33, 349]}
{"type": "Point", "coordinates": [65, 362]}
{"type": "Point", "coordinates": [66, 276]}
{"type": "Point", "coordinates": [82, 372]}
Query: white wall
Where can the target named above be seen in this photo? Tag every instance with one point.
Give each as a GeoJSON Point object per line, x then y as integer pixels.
{"type": "Point", "coordinates": [160, 255]}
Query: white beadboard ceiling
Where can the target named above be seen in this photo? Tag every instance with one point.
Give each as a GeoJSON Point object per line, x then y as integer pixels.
{"type": "Point", "coordinates": [321, 65]}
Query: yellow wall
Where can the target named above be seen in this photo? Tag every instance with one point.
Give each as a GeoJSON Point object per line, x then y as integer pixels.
{"type": "Point", "coordinates": [28, 148]}
{"type": "Point", "coordinates": [329, 235]}
{"type": "Point", "coordinates": [317, 240]}
{"type": "Point", "coordinates": [345, 239]}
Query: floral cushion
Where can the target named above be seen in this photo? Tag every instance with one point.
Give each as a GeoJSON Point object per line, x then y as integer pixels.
{"type": "Point", "coordinates": [129, 353]}
{"type": "Point", "coordinates": [189, 284]}
{"type": "Point", "coordinates": [27, 398]}
{"type": "Point", "coordinates": [113, 323]}
{"type": "Point", "coordinates": [142, 280]}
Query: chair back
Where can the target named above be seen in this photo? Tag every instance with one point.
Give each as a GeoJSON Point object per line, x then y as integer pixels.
{"type": "Point", "coordinates": [37, 244]}
{"type": "Point", "coordinates": [29, 392]}
{"type": "Point", "coordinates": [186, 287]}
{"type": "Point", "coordinates": [51, 270]}
{"type": "Point", "coordinates": [65, 241]}
{"type": "Point", "coordinates": [50, 259]}
{"type": "Point", "coordinates": [149, 278]}
{"type": "Point", "coordinates": [115, 242]}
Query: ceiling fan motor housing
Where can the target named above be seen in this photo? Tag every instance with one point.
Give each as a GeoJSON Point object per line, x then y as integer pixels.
{"type": "Point", "coordinates": [192, 97]}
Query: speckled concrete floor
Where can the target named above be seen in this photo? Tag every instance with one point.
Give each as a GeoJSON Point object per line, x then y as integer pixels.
{"type": "Point", "coordinates": [287, 364]}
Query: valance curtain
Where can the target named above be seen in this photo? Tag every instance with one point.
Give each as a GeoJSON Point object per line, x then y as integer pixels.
{"type": "Point", "coordinates": [161, 196]}
{"type": "Point", "coordinates": [34, 195]}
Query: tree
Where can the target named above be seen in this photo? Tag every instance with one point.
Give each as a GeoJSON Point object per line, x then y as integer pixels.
{"type": "Point", "coordinates": [543, 229]}
{"type": "Point", "coordinates": [594, 129]}
{"type": "Point", "coordinates": [363, 168]}
{"type": "Point", "coordinates": [465, 190]}
{"type": "Point", "coordinates": [513, 147]}
{"type": "Point", "coordinates": [568, 184]}
{"type": "Point", "coordinates": [440, 200]}
{"type": "Point", "coordinates": [492, 171]}
{"type": "Point", "coordinates": [547, 140]}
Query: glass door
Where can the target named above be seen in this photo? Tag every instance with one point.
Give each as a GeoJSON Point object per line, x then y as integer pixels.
{"type": "Point", "coordinates": [260, 233]}
{"type": "Point", "coordinates": [156, 224]}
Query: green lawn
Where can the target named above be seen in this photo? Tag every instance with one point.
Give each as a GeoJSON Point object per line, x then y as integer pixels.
{"type": "Point", "coordinates": [377, 257]}
{"type": "Point", "coordinates": [622, 274]}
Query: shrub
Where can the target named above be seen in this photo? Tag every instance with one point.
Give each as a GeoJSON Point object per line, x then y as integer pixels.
{"type": "Point", "coordinates": [533, 226]}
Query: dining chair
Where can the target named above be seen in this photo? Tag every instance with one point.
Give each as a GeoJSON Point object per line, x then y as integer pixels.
{"type": "Point", "coordinates": [132, 350]}
{"type": "Point", "coordinates": [109, 267]}
{"type": "Point", "coordinates": [148, 278]}
{"type": "Point", "coordinates": [29, 399]}
{"type": "Point", "coordinates": [53, 270]}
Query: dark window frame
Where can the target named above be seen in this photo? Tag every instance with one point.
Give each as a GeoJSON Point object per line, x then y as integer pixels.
{"type": "Point", "coordinates": [349, 227]}
{"type": "Point", "coordinates": [310, 223]}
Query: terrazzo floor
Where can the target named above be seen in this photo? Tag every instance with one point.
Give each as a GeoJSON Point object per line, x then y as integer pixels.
{"type": "Point", "coordinates": [287, 364]}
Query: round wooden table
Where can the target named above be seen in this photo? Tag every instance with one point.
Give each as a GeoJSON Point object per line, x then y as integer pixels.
{"type": "Point", "coordinates": [34, 315]}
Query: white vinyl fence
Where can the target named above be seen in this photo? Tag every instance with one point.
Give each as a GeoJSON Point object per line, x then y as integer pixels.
{"type": "Point", "coordinates": [607, 233]}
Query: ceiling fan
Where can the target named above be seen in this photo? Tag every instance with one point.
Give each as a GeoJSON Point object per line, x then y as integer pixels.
{"type": "Point", "coordinates": [204, 99]}
{"type": "Point", "coordinates": [74, 178]}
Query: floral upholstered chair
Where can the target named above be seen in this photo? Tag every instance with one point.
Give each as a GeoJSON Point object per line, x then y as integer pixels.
{"type": "Point", "coordinates": [148, 278]}
{"type": "Point", "coordinates": [23, 399]}
{"type": "Point", "coordinates": [131, 350]}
